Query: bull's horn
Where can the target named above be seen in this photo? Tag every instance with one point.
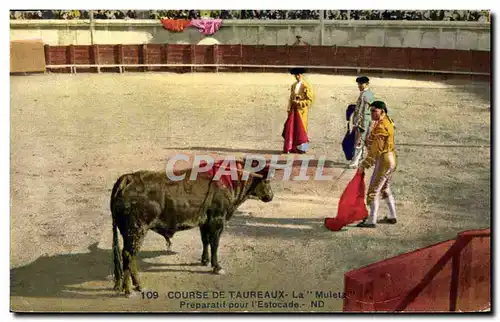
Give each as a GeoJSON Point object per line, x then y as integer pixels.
{"type": "Point", "coordinates": [260, 176]}
{"type": "Point", "coordinates": [251, 173]}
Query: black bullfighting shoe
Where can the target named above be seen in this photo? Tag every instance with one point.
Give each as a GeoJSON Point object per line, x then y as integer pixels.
{"type": "Point", "coordinates": [363, 224]}
{"type": "Point", "coordinates": [386, 220]}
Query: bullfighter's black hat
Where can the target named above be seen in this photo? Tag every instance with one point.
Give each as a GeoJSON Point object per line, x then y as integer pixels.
{"type": "Point", "coordinates": [297, 70]}
{"type": "Point", "coordinates": [379, 105]}
{"type": "Point", "coordinates": [362, 80]}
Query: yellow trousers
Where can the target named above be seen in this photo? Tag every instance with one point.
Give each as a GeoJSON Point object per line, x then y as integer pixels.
{"type": "Point", "coordinates": [304, 116]}
{"type": "Point", "coordinates": [380, 186]}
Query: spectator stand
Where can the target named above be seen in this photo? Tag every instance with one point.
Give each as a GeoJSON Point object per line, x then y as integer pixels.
{"type": "Point", "coordinates": [430, 15]}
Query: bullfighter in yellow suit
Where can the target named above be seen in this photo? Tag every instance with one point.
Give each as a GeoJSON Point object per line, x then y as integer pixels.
{"type": "Point", "coordinates": [301, 95]}
{"type": "Point", "coordinates": [301, 98]}
{"type": "Point", "coordinates": [382, 154]}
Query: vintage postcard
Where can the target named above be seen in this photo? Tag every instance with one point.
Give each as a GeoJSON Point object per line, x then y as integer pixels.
{"type": "Point", "coordinates": [250, 160]}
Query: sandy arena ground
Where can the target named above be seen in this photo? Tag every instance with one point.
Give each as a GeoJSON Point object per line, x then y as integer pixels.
{"type": "Point", "coordinates": [73, 135]}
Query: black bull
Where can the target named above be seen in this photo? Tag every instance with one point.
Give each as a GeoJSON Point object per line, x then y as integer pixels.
{"type": "Point", "coordinates": [146, 200]}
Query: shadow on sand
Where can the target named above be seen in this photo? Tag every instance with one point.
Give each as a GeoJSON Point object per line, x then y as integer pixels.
{"type": "Point", "coordinates": [58, 276]}
{"type": "Point", "coordinates": [297, 228]}
{"type": "Point", "coordinates": [221, 149]}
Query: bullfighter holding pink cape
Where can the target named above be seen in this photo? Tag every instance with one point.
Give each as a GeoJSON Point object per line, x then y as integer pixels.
{"type": "Point", "coordinates": [295, 129]}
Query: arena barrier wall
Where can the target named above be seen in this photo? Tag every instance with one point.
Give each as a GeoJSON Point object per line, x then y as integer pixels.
{"type": "Point", "coordinates": [462, 35]}
{"type": "Point", "coordinates": [454, 276]}
{"type": "Point", "coordinates": [146, 57]}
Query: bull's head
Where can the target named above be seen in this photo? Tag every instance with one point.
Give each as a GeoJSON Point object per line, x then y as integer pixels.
{"type": "Point", "coordinates": [261, 185]}
{"type": "Point", "coordinates": [262, 189]}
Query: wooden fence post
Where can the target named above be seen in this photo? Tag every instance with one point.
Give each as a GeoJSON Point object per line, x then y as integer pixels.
{"type": "Point", "coordinates": [144, 52]}
{"type": "Point", "coordinates": [216, 57]}
{"type": "Point", "coordinates": [309, 54]}
{"type": "Point", "coordinates": [408, 58]}
{"type": "Point", "coordinates": [455, 273]}
{"type": "Point", "coordinates": [47, 56]}
{"type": "Point", "coordinates": [120, 58]}
{"type": "Point", "coordinates": [95, 51]}
{"type": "Point", "coordinates": [193, 57]}
{"type": "Point", "coordinates": [70, 58]}
{"type": "Point", "coordinates": [241, 57]}
{"type": "Point", "coordinates": [287, 54]}
{"type": "Point", "coordinates": [164, 54]}
{"type": "Point", "coordinates": [434, 54]}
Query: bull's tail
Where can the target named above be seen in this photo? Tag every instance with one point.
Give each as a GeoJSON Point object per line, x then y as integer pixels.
{"type": "Point", "coordinates": [117, 257]}
{"type": "Point", "coordinates": [119, 185]}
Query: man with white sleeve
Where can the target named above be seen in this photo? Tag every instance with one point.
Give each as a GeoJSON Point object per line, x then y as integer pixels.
{"type": "Point", "coordinates": [362, 118]}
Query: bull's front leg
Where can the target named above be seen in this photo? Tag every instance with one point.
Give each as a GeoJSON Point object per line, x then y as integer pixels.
{"type": "Point", "coordinates": [205, 234]}
{"type": "Point", "coordinates": [216, 228]}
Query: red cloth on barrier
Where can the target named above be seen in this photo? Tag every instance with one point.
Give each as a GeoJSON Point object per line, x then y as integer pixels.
{"type": "Point", "coordinates": [294, 132]}
{"type": "Point", "coordinates": [352, 205]}
{"type": "Point", "coordinates": [175, 24]}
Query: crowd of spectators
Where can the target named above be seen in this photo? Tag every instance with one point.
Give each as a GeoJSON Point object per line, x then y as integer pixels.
{"type": "Point", "coordinates": [436, 15]}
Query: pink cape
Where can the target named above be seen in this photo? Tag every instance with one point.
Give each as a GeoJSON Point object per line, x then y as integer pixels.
{"type": "Point", "coordinates": [352, 205]}
{"type": "Point", "coordinates": [207, 26]}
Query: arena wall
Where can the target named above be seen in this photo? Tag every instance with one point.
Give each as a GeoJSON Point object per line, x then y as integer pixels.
{"type": "Point", "coordinates": [353, 33]}
{"type": "Point", "coordinates": [451, 276]}
{"type": "Point", "coordinates": [217, 57]}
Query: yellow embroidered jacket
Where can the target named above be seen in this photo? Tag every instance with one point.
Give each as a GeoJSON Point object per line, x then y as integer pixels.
{"type": "Point", "coordinates": [305, 96]}
{"type": "Point", "coordinates": [302, 101]}
{"type": "Point", "coordinates": [380, 141]}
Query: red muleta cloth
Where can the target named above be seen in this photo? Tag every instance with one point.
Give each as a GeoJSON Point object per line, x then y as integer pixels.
{"type": "Point", "coordinates": [225, 179]}
{"type": "Point", "coordinates": [352, 205]}
{"type": "Point", "coordinates": [294, 132]}
{"type": "Point", "coordinates": [176, 25]}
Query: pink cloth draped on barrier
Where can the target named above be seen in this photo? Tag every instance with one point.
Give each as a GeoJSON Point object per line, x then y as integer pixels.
{"type": "Point", "coordinates": [207, 26]}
